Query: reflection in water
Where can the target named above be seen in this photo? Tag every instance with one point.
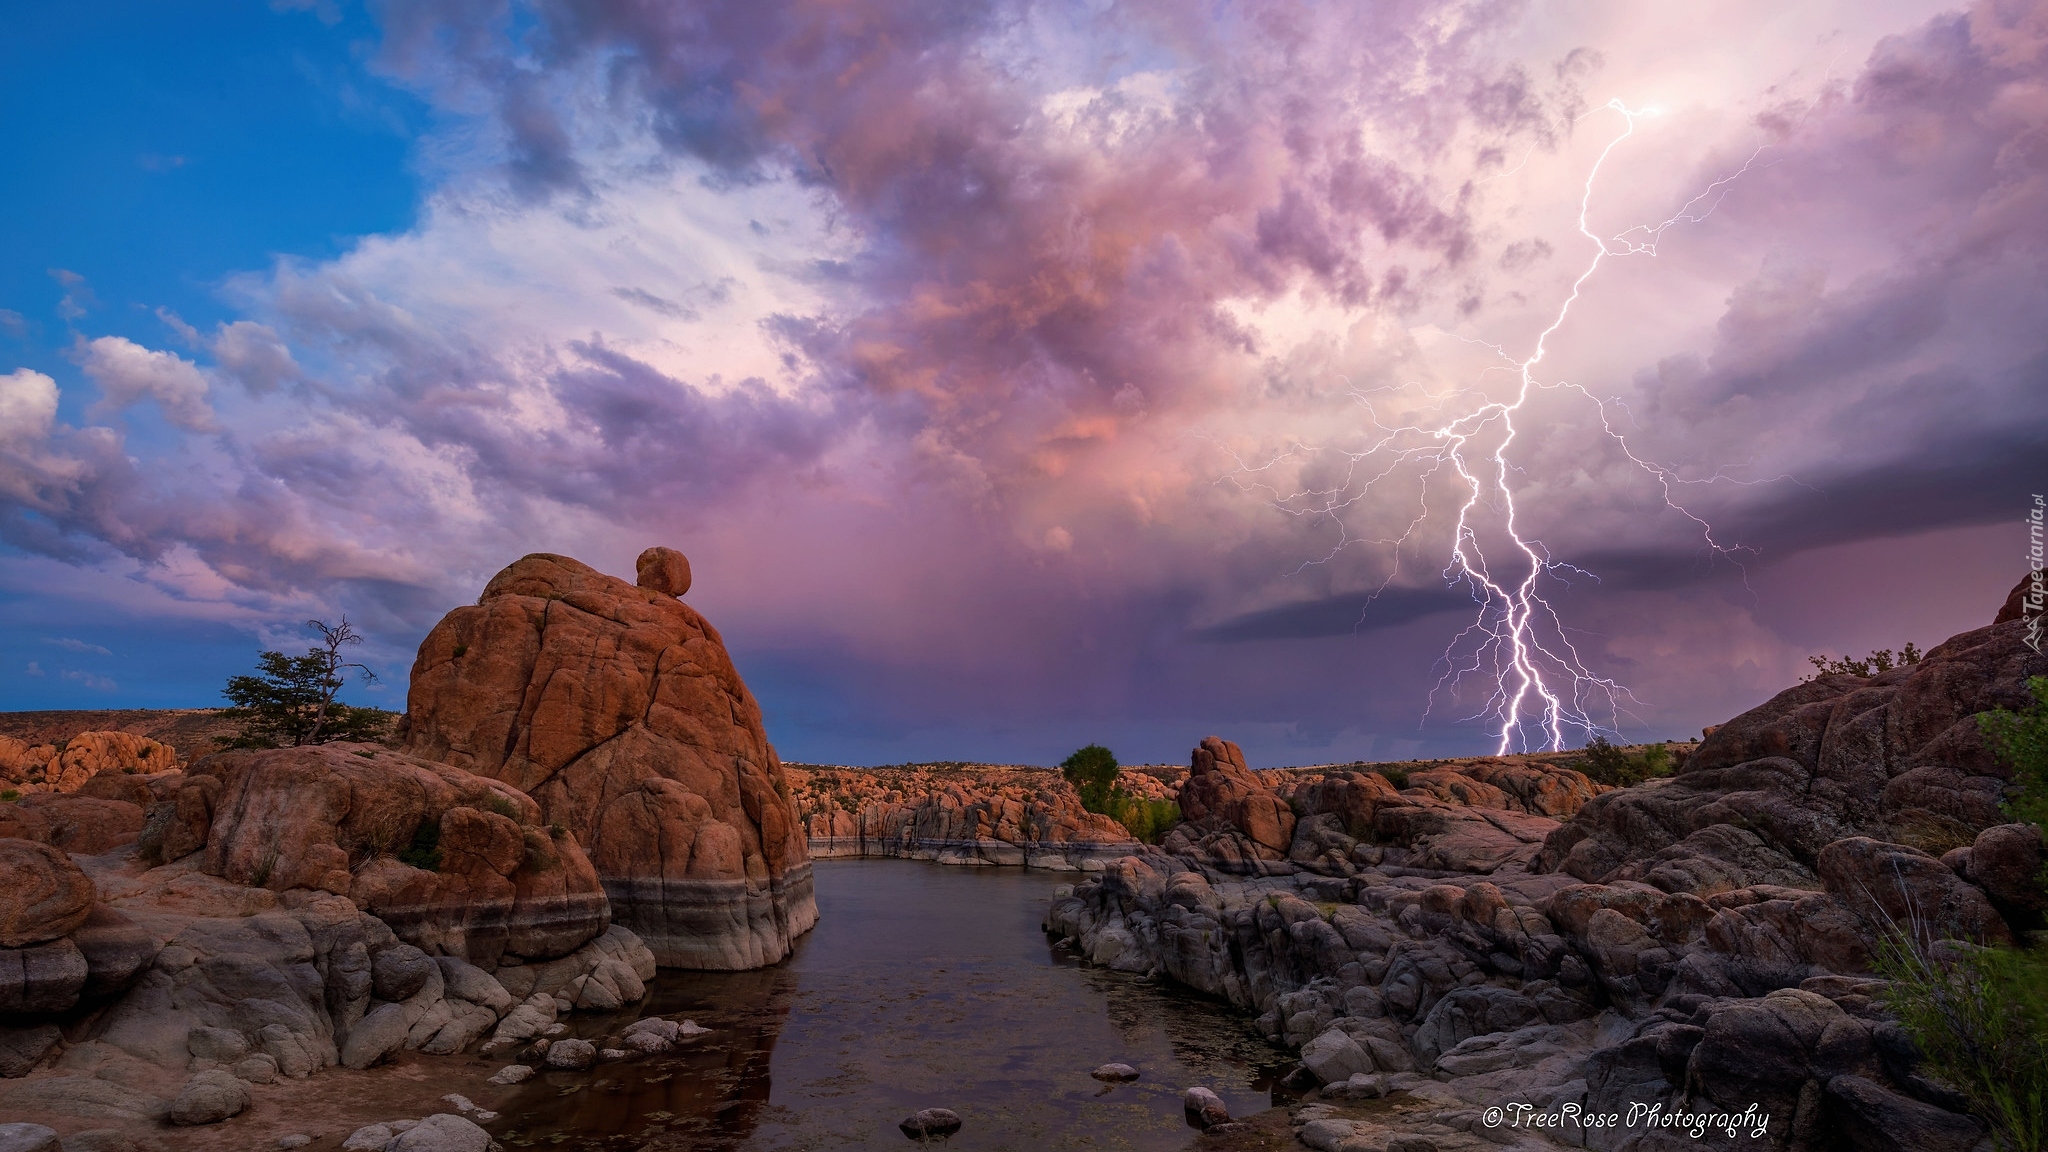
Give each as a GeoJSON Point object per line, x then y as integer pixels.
{"type": "Point", "coordinates": [922, 986]}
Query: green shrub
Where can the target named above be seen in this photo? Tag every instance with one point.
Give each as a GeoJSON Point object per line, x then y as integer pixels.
{"type": "Point", "coordinates": [1397, 776]}
{"type": "Point", "coordinates": [9, 796]}
{"type": "Point", "coordinates": [425, 850]}
{"type": "Point", "coordinates": [502, 805]}
{"type": "Point", "coordinates": [1879, 660]}
{"type": "Point", "coordinates": [1148, 820]}
{"type": "Point", "coordinates": [1606, 764]}
{"type": "Point", "coordinates": [2021, 740]}
{"type": "Point", "coordinates": [1980, 1016]}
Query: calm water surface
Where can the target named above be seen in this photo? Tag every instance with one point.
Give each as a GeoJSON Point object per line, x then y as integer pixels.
{"type": "Point", "coordinates": [922, 986]}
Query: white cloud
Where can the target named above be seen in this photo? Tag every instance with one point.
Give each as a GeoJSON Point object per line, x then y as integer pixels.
{"type": "Point", "coordinates": [69, 644]}
{"type": "Point", "coordinates": [90, 680]}
{"type": "Point", "coordinates": [128, 373]}
{"type": "Point", "coordinates": [28, 407]}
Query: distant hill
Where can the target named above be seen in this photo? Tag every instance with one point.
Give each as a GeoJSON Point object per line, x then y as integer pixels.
{"type": "Point", "coordinates": [189, 730]}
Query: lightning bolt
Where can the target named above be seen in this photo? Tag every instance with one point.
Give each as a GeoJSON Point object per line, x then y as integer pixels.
{"type": "Point", "coordinates": [1540, 687]}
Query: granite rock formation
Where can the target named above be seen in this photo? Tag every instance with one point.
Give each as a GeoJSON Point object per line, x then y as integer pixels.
{"type": "Point", "coordinates": [457, 864]}
{"type": "Point", "coordinates": [980, 814]}
{"type": "Point", "coordinates": [67, 767]}
{"type": "Point", "coordinates": [616, 707]}
{"type": "Point", "coordinates": [1505, 930]}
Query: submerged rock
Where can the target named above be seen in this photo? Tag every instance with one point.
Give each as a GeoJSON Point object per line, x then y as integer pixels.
{"type": "Point", "coordinates": [617, 708]}
{"type": "Point", "coordinates": [928, 1122]}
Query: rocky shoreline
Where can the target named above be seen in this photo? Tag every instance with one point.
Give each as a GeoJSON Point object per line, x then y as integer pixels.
{"type": "Point", "coordinates": [1498, 934]}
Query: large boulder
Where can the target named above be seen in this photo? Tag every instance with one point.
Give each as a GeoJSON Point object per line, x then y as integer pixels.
{"type": "Point", "coordinates": [458, 864]}
{"type": "Point", "coordinates": [617, 708]}
{"type": "Point", "coordinates": [43, 895]}
{"type": "Point", "coordinates": [1230, 817]}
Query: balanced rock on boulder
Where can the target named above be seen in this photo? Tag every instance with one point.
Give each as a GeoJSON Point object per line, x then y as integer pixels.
{"type": "Point", "coordinates": [616, 707]}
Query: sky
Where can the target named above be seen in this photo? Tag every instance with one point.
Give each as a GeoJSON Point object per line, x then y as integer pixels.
{"type": "Point", "coordinates": [1346, 380]}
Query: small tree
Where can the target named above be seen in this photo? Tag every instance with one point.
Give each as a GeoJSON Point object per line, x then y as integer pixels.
{"type": "Point", "coordinates": [290, 700]}
{"type": "Point", "coordinates": [1092, 772]}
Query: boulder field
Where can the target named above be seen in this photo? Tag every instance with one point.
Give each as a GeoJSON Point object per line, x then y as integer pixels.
{"type": "Point", "coordinates": [1506, 932]}
{"type": "Point", "coordinates": [616, 708]}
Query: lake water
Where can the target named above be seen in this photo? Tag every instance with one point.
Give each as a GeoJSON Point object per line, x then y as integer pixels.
{"type": "Point", "coordinates": [923, 986]}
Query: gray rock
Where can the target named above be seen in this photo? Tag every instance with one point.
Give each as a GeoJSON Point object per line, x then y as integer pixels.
{"type": "Point", "coordinates": [208, 1098]}
{"type": "Point", "coordinates": [380, 1034]}
{"type": "Point", "coordinates": [1334, 1056]}
{"type": "Point", "coordinates": [399, 972]}
{"type": "Point", "coordinates": [370, 1138]}
{"type": "Point", "coordinates": [258, 1069]}
{"type": "Point", "coordinates": [647, 1043]}
{"type": "Point", "coordinates": [85, 1097]}
{"type": "Point", "coordinates": [465, 981]}
{"type": "Point", "coordinates": [117, 951]}
{"type": "Point", "coordinates": [1876, 1117]}
{"type": "Point", "coordinates": [295, 1140]}
{"type": "Point", "coordinates": [1363, 1086]}
{"type": "Point", "coordinates": [108, 1140]}
{"type": "Point", "coordinates": [928, 1122]}
{"type": "Point", "coordinates": [572, 1054]}
{"type": "Point", "coordinates": [21, 1049]}
{"type": "Point", "coordinates": [465, 1025]}
{"type": "Point", "coordinates": [523, 1023]}
{"type": "Point", "coordinates": [216, 1044]}
{"type": "Point", "coordinates": [41, 978]}
{"type": "Point", "coordinates": [1204, 1108]}
{"type": "Point", "coordinates": [297, 1054]}
{"type": "Point", "coordinates": [441, 1132]}
{"type": "Point", "coordinates": [28, 1138]}
{"type": "Point", "coordinates": [1115, 1072]}
{"type": "Point", "coordinates": [1467, 1012]}
{"type": "Point", "coordinates": [513, 1074]}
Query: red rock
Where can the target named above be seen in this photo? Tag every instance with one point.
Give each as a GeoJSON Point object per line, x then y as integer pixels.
{"type": "Point", "coordinates": [43, 895]}
{"type": "Point", "coordinates": [663, 570]}
{"type": "Point", "coordinates": [334, 817]}
{"type": "Point", "coordinates": [1221, 795]}
{"type": "Point", "coordinates": [86, 825]}
{"type": "Point", "coordinates": [617, 708]}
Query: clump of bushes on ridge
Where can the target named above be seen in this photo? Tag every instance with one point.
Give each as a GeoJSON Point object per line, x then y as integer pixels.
{"type": "Point", "coordinates": [1603, 763]}
{"type": "Point", "coordinates": [1879, 660]}
{"type": "Point", "coordinates": [1093, 772]}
